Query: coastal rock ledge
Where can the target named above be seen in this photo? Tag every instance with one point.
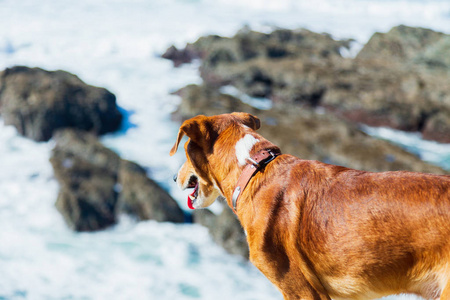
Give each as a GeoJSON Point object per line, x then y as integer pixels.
{"type": "Point", "coordinates": [38, 102]}
{"type": "Point", "coordinates": [399, 79]}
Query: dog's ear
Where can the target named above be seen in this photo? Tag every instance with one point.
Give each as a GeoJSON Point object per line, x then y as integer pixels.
{"type": "Point", "coordinates": [194, 128]}
{"type": "Point", "coordinates": [248, 120]}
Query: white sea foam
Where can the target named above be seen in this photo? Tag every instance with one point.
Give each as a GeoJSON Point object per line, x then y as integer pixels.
{"type": "Point", "coordinates": [260, 103]}
{"type": "Point", "coordinates": [116, 44]}
{"type": "Point", "coordinates": [430, 151]}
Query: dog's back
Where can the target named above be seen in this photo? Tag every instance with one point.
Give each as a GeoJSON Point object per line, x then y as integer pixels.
{"type": "Point", "coordinates": [361, 235]}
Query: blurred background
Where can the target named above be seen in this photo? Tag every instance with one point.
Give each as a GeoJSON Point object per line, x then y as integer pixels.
{"type": "Point", "coordinates": [92, 94]}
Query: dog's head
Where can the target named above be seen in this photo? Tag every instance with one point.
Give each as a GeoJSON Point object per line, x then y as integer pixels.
{"type": "Point", "coordinates": [210, 139]}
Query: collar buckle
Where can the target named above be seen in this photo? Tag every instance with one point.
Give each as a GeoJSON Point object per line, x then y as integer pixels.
{"type": "Point", "coordinates": [256, 163]}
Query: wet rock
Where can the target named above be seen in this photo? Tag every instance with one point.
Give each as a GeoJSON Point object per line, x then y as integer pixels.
{"type": "Point", "coordinates": [437, 127]}
{"type": "Point", "coordinates": [399, 80]}
{"type": "Point", "coordinates": [38, 102]}
{"type": "Point", "coordinates": [87, 174]}
{"type": "Point", "coordinates": [96, 185]}
{"type": "Point", "coordinates": [280, 43]}
{"type": "Point", "coordinates": [247, 60]}
{"type": "Point", "coordinates": [144, 199]}
{"type": "Point", "coordinates": [225, 230]}
{"type": "Point", "coordinates": [182, 56]}
{"type": "Point", "coordinates": [206, 100]}
{"type": "Point", "coordinates": [378, 95]}
{"type": "Point", "coordinates": [436, 56]}
{"type": "Point", "coordinates": [401, 43]}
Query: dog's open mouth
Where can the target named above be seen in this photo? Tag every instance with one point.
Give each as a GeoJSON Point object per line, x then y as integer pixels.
{"type": "Point", "coordinates": [193, 183]}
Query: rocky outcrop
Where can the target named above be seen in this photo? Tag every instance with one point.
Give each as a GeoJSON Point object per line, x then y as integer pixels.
{"type": "Point", "coordinates": [143, 198]}
{"type": "Point", "coordinates": [401, 98]}
{"type": "Point", "coordinates": [87, 174]}
{"type": "Point", "coordinates": [38, 102]}
{"type": "Point", "coordinates": [282, 43]}
{"type": "Point", "coordinates": [401, 44]}
{"type": "Point", "coordinates": [179, 57]}
{"type": "Point", "coordinates": [96, 185]}
{"type": "Point", "coordinates": [399, 79]}
{"type": "Point", "coordinates": [408, 69]}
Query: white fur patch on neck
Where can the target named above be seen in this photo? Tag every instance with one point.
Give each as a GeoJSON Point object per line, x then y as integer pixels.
{"type": "Point", "coordinates": [243, 148]}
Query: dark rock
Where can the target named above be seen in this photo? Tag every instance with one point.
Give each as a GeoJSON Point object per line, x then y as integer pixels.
{"type": "Point", "coordinates": [401, 43]}
{"type": "Point", "coordinates": [225, 230]}
{"type": "Point", "coordinates": [247, 45]}
{"type": "Point", "coordinates": [437, 127]}
{"type": "Point", "coordinates": [143, 198]}
{"type": "Point", "coordinates": [404, 89]}
{"type": "Point", "coordinates": [96, 185]}
{"type": "Point", "coordinates": [87, 174]}
{"type": "Point", "coordinates": [180, 57]}
{"type": "Point", "coordinates": [256, 63]}
{"type": "Point", "coordinates": [208, 101]}
{"type": "Point", "coordinates": [436, 56]}
{"type": "Point", "coordinates": [38, 102]}
{"type": "Point", "coordinates": [379, 95]}
{"type": "Point", "coordinates": [225, 58]}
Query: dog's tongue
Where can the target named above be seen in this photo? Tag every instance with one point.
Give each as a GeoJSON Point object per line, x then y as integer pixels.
{"type": "Point", "coordinates": [192, 197]}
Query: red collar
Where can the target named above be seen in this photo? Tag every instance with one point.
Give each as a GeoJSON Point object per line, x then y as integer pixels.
{"type": "Point", "coordinates": [256, 163]}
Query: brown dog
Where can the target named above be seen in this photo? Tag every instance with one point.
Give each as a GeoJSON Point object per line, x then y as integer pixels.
{"type": "Point", "coordinates": [318, 230]}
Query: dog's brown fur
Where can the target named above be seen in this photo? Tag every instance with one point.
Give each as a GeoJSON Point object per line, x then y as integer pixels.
{"type": "Point", "coordinates": [318, 230]}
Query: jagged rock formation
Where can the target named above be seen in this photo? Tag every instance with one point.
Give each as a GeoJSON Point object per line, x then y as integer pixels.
{"type": "Point", "coordinates": [38, 102]}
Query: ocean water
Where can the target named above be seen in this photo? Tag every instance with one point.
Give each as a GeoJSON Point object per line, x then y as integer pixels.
{"type": "Point", "coordinates": [116, 44]}
{"type": "Point", "coordinates": [430, 151]}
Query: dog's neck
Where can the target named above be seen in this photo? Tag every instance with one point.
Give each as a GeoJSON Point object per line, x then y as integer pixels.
{"type": "Point", "coordinates": [255, 164]}
{"type": "Point", "coordinates": [231, 168]}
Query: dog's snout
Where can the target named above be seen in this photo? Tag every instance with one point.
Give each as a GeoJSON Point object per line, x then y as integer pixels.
{"type": "Point", "coordinates": [175, 177]}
